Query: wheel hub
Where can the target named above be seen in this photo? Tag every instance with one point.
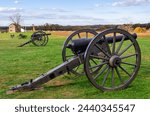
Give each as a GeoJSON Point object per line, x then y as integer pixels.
{"type": "Point", "coordinates": [114, 61]}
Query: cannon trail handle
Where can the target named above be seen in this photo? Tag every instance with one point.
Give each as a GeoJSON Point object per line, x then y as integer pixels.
{"type": "Point", "coordinates": [59, 70]}
{"type": "Point", "coordinates": [25, 43]}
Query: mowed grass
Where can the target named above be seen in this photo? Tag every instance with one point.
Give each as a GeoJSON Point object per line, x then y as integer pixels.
{"type": "Point", "coordinates": [18, 65]}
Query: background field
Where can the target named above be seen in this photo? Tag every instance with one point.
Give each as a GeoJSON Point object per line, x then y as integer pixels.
{"type": "Point", "coordinates": [18, 65]}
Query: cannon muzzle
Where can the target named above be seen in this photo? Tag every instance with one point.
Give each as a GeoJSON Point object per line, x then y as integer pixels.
{"type": "Point", "coordinates": [79, 46]}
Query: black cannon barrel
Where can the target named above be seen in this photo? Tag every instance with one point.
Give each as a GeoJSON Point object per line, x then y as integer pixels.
{"type": "Point", "coordinates": [79, 46]}
{"type": "Point", "coordinates": [37, 35]}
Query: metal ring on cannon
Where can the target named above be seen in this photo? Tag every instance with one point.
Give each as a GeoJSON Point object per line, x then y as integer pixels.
{"type": "Point", "coordinates": [120, 60]}
{"type": "Point", "coordinates": [67, 53]}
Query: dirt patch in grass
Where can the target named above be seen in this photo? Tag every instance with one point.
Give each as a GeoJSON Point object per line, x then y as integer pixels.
{"type": "Point", "coordinates": [147, 35]}
{"type": "Point", "coordinates": [58, 83]}
{"type": "Point", "coordinates": [62, 33]}
{"type": "Point", "coordinates": [67, 93]}
{"type": "Point", "coordinates": [67, 33]}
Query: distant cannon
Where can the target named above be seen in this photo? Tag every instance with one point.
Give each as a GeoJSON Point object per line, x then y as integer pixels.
{"type": "Point", "coordinates": [38, 38]}
{"type": "Point", "coordinates": [110, 59]}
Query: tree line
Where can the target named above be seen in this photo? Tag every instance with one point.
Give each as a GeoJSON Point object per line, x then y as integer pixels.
{"type": "Point", "coordinates": [57, 27]}
{"type": "Point", "coordinates": [146, 25]}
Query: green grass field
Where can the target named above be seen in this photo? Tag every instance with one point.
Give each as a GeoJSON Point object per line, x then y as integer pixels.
{"type": "Point", "coordinates": [18, 65]}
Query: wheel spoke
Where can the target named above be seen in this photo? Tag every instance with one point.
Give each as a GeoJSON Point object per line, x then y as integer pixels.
{"type": "Point", "coordinates": [93, 61]}
{"type": "Point", "coordinates": [125, 71]}
{"type": "Point", "coordinates": [101, 71]}
{"type": "Point", "coordinates": [102, 50]}
{"type": "Point", "coordinates": [129, 64]}
{"type": "Point", "coordinates": [120, 45]}
{"type": "Point", "coordinates": [106, 76]}
{"type": "Point", "coordinates": [108, 48]}
{"type": "Point", "coordinates": [125, 49]}
{"type": "Point", "coordinates": [114, 44]}
{"type": "Point", "coordinates": [77, 68]}
{"type": "Point", "coordinates": [98, 57]}
{"type": "Point", "coordinates": [112, 78]}
{"type": "Point", "coordinates": [124, 57]}
{"type": "Point", "coordinates": [44, 40]}
{"type": "Point", "coordinates": [71, 39]}
{"type": "Point", "coordinates": [79, 35]}
{"type": "Point", "coordinates": [41, 41]}
{"type": "Point", "coordinates": [86, 34]}
{"type": "Point", "coordinates": [38, 42]}
{"type": "Point", "coordinates": [98, 65]}
{"type": "Point", "coordinates": [118, 73]}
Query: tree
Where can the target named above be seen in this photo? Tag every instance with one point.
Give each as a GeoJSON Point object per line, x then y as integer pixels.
{"type": "Point", "coordinates": [16, 19]}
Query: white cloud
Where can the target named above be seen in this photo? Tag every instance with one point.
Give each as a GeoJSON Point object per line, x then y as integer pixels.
{"type": "Point", "coordinates": [63, 19]}
{"type": "Point", "coordinates": [10, 9]}
{"type": "Point", "coordinates": [130, 2]}
{"type": "Point", "coordinates": [98, 5]}
{"type": "Point", "coordinates": [16, 1]}
{"type": "Point", "coordinates": [60, 10]}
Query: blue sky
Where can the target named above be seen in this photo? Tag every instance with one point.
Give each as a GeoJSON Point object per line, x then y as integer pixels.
{"type": "Point", "coordinates": [76, 12]}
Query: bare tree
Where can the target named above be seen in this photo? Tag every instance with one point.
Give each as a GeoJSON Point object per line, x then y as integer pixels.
{"type": "Point", "coordinates": [16, 19]}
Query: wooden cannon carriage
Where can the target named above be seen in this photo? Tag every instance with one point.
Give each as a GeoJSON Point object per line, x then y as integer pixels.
{"type": "Point", "coordinates": [110, 59]}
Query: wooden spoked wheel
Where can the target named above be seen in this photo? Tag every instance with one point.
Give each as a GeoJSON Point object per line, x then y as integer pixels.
{"type": "Point", "coordinates": [116, 63]}
{"type": "Point", "coordinates": [68, 53]}
{"type": "Point", "coordinates": [39, 38]}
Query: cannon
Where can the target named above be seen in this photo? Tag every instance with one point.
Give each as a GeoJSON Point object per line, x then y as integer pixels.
{"type": "Point", "coordinates": [110, 59]}
{"type": "Point", "coordinates": [38, 38]}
